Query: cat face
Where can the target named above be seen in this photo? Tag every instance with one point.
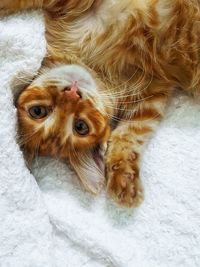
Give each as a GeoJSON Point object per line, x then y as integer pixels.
{"type": "Point", "coordinates": [62, 114]}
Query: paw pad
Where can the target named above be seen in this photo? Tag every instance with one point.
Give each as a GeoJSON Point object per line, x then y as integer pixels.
{"type": "Point", "coordinates": [116, 166]}
{"type": "Point", "coordinates": [133, 156]}
{"type": "Point", "coordinates": [129, 176]}
{"type": "Point", "coordinates": [123, 183]}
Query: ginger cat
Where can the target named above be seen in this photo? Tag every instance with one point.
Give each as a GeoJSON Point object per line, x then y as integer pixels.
{"type": "Point", "coordinates": [109, 62]}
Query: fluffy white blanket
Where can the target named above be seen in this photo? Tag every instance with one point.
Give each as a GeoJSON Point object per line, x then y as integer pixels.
{"type": "Point", "coordinates": [54, 222]}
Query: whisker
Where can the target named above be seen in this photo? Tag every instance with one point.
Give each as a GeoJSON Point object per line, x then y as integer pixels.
{"type": "Point", "coordinates": [25, 138]}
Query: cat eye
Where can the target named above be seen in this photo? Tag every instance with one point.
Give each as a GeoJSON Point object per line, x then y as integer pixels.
{"type": "Point", "coordinates": [38, 112]}
{"type": "Point", "coordinates": [81, 127]}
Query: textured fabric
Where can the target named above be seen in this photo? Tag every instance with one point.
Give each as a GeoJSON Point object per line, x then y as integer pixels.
{"type": "Point", "coordinates": [25, 231]}
{"type": "Point", "coordinates": [59, 224]}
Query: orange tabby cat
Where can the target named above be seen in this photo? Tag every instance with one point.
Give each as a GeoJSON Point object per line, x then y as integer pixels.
{"type": "Point", "coordinates": [107, 60]}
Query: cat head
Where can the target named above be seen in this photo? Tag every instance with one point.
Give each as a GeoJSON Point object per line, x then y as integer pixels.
{"type": "Point", "coordinates": [62, 114]}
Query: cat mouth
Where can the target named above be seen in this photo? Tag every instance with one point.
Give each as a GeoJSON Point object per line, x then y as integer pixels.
{"type": "Point", "coordinates": [90, 168]}
{"type": "Point", "coordinates": [98, 155]}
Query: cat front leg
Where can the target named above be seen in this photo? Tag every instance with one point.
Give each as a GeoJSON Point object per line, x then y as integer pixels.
{"type": "Point", "coordinates": [122, 169]}
{"type": "Point", "coordinates": [125, 149]}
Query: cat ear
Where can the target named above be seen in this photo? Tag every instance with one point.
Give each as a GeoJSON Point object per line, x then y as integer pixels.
{"type": "Point", "coordinates": [90, 174]}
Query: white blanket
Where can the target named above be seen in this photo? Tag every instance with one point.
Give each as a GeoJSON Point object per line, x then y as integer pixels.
{"type": "Point", "coordinates": [59, 224]}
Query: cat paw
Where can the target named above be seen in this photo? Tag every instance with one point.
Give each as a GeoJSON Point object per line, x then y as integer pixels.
{"type": "Point", "coordinates": [123, 182]}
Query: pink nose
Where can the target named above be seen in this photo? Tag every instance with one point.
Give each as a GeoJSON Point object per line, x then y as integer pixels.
{"type": "Point", "coordinates": [72, 92]}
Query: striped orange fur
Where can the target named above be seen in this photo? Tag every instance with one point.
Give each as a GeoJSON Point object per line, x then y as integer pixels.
{"type": "Point", "coordinates": [137, 52]}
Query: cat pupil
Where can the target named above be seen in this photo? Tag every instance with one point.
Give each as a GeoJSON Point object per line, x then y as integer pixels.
{"type": "Point", "coordinates": [37, 110]}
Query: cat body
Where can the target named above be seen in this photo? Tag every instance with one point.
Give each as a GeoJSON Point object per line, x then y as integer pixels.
{"type": "Point", "coordinates": [116, 38]}
{"type": "Point", "coordinates": [136, 52]}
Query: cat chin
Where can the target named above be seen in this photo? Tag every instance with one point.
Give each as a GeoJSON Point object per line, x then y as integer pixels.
{"type": "Point", "coordinates": [63, 75]}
